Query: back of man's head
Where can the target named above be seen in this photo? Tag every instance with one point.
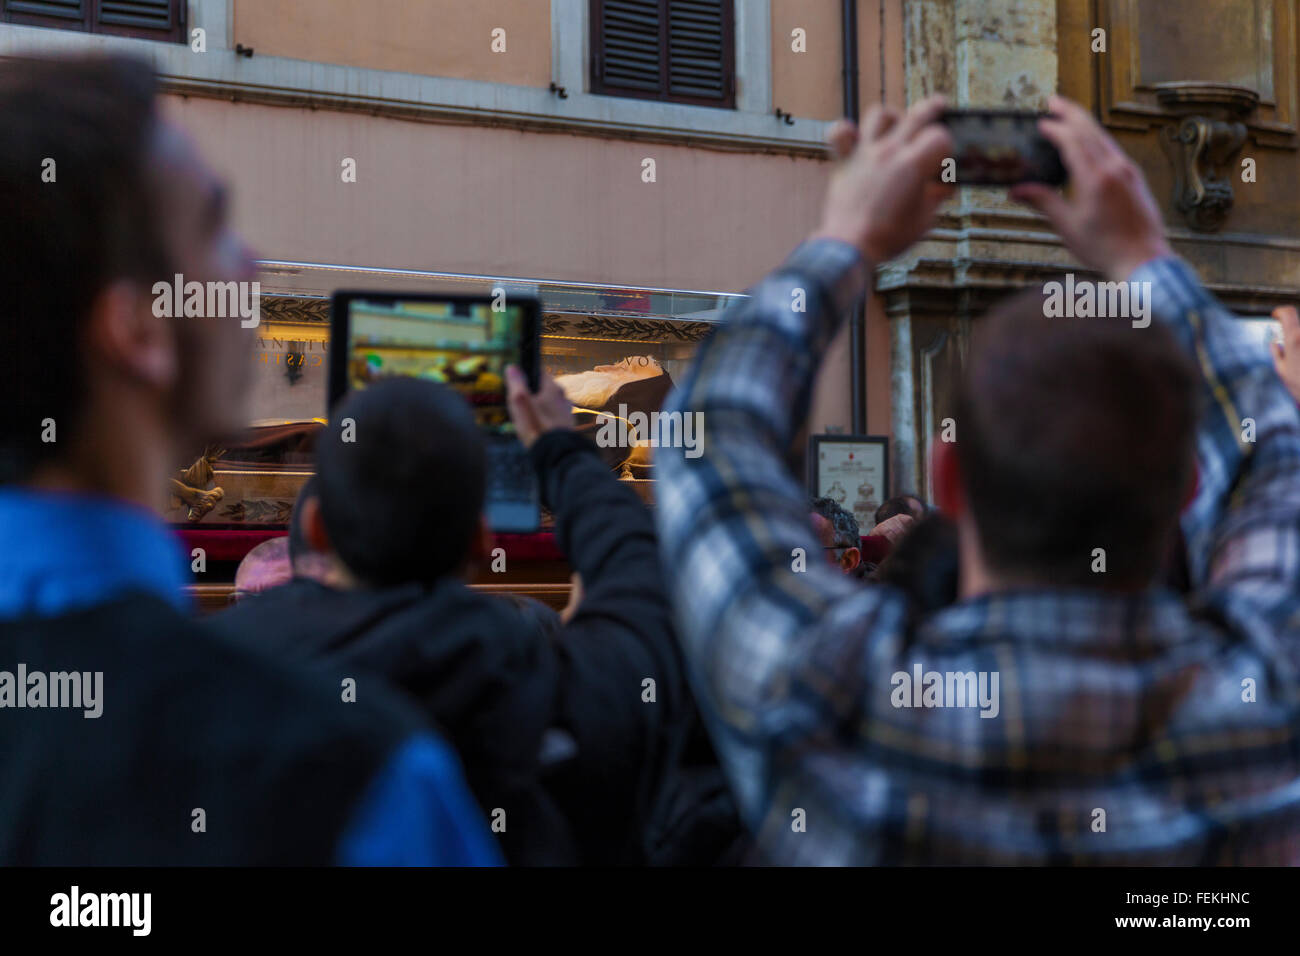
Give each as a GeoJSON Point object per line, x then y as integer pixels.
{"type": "Point", "coordinates": [401, 501]}
{"type": "Point", "coordinates": [76, 213]}
{"type": "Point", "coordinates": [1073, 435]}
{"type": "Point", "coordinates": [909, 505]}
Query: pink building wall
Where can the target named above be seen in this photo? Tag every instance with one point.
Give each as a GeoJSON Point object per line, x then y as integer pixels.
{"type": "Point", "coordinates": [500, 201]}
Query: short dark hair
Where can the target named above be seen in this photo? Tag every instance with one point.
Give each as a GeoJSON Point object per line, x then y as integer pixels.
{"type": "Point", "coordinates": [298, 546]}
{"type": "Point", "coordinates": [93, 222]}
{"type": "Point", "coordinates": [898, 505]}
{"type": "Point", "coordinates": [1075, 434]}
{"type": "Point", "coordinates": [841, 520]}
{"type": "Point", "coordinates": [401, 469]}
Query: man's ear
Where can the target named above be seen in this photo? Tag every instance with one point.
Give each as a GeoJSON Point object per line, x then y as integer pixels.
{"type": "Point", "coordinates": [850, 559]}
{"type": "Point", "coordinates": [945, 476]}
{"type": "Point", "coordinates": [123, 333]}
{"type": "Point", "coordinates": [313, 526]}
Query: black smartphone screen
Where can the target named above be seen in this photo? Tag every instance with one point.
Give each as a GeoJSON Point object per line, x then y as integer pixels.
{"type": "Point", "coordinates": [1002, 148]}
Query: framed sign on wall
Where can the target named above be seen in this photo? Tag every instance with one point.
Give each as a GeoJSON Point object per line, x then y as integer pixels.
{"type": "Point", "coordinates": [851, 469]}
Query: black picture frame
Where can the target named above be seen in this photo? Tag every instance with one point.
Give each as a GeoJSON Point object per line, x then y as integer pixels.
{"type": "Point", "coordinates": [875, 453]}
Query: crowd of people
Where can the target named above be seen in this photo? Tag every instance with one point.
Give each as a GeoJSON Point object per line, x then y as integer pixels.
{"type": "Point", "coordinates": [1084, 651]}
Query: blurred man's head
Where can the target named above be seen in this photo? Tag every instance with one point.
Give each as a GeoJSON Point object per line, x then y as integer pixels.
{"type": "Point", "coordinates": [265, 567]}
{"type": "Point", "coordinates": [925, 564]}
{"type": "Point", "coordinates": [101, 198]}
{"type": "Point", "coordinates": [402, 501]}
{"type": "Point", "coordinates": [1075, 451]}
{"type": "Point", "coordinates": [837, 531]}
{"type": "Point", "coordinates": [909, 505]}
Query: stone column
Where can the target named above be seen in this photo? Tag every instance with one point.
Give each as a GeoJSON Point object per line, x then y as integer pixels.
{"type": "Point", "coordinates": [978, 53]}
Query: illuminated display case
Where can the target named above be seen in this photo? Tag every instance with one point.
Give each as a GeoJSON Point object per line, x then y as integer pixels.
{"type": "Point", "coordinates": [615, 350]}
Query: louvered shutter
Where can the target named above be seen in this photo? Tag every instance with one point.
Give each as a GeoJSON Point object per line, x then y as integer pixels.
{"type": "Point", "coordinates": [68, 14]}
{"type": "Point", "coordinates": [68, 9]}
{"type": "Point", "coordinates": [631, 57]}
{"type": "Point", "coordinates": [680, 50]}
{"type": "Point", "coordinates": [149, 19]}
{"type": "Point", "coordinates": [697, 49]}
{"type": "Point", "coordinates": [144, 14]}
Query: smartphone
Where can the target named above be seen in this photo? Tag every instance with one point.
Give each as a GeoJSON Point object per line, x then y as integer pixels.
{"type": "Point", "coordinates": [1002, 148]}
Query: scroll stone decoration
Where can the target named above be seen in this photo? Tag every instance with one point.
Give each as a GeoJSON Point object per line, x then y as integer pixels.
{"type": "Point", "coordinates": [1206, 139]}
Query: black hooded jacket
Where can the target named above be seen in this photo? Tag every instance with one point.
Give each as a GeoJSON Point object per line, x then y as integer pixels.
{"type": "Point", "coordinates": [566, 743]}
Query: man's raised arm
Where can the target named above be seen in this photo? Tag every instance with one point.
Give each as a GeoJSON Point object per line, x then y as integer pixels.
{"type": "Point", "coordinates": [746, 574]}
{"type": "Point", "coordinates": [1243, 528]}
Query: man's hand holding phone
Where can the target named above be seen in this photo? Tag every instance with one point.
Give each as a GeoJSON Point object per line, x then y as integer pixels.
{"type": "Point", "coordinates": [1109, 220]}
{"type": "Point", "coordinates": [536, 414]}
{"type": "Point", "coordinates": [886, 191]}
{"type": "Point", "coordinates": [1286, 350]}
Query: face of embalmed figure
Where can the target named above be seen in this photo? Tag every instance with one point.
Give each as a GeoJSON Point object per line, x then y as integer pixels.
{"type": "Point", "coordinates": [594, 388]}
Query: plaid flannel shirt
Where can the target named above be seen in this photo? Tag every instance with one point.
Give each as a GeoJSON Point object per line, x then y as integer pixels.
{"type": "Point", "coordinates": [1139, 729]}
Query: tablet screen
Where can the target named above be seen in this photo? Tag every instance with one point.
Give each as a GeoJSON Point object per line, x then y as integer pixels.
{"type": "Point", "coordinates": [463, 343]}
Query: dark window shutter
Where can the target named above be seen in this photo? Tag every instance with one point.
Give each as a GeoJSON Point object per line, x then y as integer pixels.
{"type": "Point", "coordinates": [678, 50]}
{"type": "Point", "coordinates": [151, 19]}
{"type": "Point", "coordinates": [68, 9]}
{"type": "Point", "coordinates": [631, 57]}
{"type": "Point", "coordinates": [697, 61]}
{"type": "Point", "coordinates": [144, 14]}
{"type": "Point", "coordinates": [148, 19]}
{"type": "Point", "coordinates": [61, 14]}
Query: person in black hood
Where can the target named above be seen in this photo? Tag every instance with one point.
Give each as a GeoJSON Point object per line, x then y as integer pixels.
{"type": "Point", "coordinates": [568, 737]}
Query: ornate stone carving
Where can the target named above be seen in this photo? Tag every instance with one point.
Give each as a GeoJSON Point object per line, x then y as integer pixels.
{"type": "Point", "coordinates": [295, 308]}
{"type": "Point", "coordinates": [613, 327]}
{"type": "Point", "coordinates": [1206, 138]}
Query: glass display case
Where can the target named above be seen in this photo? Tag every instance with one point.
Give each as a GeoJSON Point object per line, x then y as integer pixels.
{"type": "Point", "coordinates": [615, 350]}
